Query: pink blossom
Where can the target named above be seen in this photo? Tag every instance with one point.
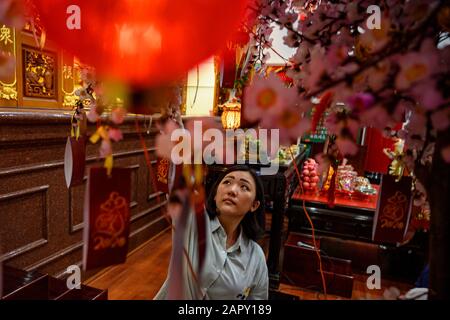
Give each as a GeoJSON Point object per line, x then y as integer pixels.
{"type": "Point", "coordinates": [353, 13]}
{"type": "Point", "coordinates": [427, 95]}
{"type": "Point", "coordinates": [300, 55]}
{"type": "Point", "coordinates": [360, 102]}
{"type": "Point", "coordinates": [105, 148]}
{"type": "Point", "coordinates": [417, 124]}
{"type": "Point", "coordinates": [377, 76]}
{"type": "Point", "coordinates": [341, 71]}
{"type": "Point", "coordinates": [335, 56]}
{"type": "Point", "coordinates": [375, 39]}
{"type": "Point", "coordinates": [342, 92]}
{"type": "Point", "coordinates": [163, 142]}
{"type": "Point", "coordinates": [264, 96]}
{"type": "Point", "coordinates": [353, 126]}
{"type": "Point", "coordinates": [343, 38]}
{"type": "Point", "coordinates": [12, 13]}
{"type": "Point", "coordinates": [298, 3]}
{"type": "Point", "coordinates": [315, 69]}
{"type": "Point", "coordinates": [441, 119]}
{"type": "Point", "coordinates": [417, 66]}
{"type": "Point", "coordinates": [346, 146]}
{"type": "Point", "coordinates": [311, 25]}
{"type": "Point", "coordinates": [290, 123]}
{"type": "Point", "coordinates": [287, 18]}
{"type": "Point", "coordinates": [291, 39]}
{"type": "Point", "coordinates": [163, 145]}
{"type": "Point", "coordinates": [401, 109]}
{"type": "Point", "coordinates": [118, 115]}
{"type": "Point", "coordinates": [92, 115]}
{"type": "Point", "coordinates": [335, 126]}
{"type": "Point", "coordinates": [445, 152]}
{"type": "Point", "coordinates": [331, 122]}
{"type": "Point", "coordinates": [376, 117]}
{"type": "Point", "coordinates": [115, 134]}
{"type": "Point", "coordinates": [392, 293]}
{"type": "Point", "coordinates": [414, 12]}
{"type": "Point", "coordinates": [444, 54]}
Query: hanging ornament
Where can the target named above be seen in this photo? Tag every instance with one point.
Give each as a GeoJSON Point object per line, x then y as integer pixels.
{"type": "Point", "coordinates": [141, 42]}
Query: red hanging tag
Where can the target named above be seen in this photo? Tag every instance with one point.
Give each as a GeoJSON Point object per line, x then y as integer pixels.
{"type": "Point", "coordinates": [75, 161]}
{"type": "Point", "coordinates": [162, 174]}
{"type": "Point", "coordinates": [106, 217]}
{"type": "Point", "coordinates": [393, 210]}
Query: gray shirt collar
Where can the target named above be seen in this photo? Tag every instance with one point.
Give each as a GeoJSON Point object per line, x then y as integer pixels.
{"type": "Point", "coordinates": [241, 243]}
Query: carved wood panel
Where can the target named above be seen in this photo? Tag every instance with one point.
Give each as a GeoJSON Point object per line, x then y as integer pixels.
{"type": "Point", "coordinates": [39, 76]}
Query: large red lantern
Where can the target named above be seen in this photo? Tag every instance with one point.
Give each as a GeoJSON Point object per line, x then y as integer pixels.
{"type": "Point", "coordinates": [142, 42]}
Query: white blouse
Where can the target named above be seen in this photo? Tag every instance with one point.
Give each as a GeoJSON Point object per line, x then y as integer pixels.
{"type": "Point", "coordinates": [239, 272]}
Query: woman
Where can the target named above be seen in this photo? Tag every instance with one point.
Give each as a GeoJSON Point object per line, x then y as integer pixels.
{"type": "Point", "coordinates": [235, 265]}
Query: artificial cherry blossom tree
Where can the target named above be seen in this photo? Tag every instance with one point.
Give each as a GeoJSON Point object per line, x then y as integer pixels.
{"type": "Point", "coordinates": [386, 62]}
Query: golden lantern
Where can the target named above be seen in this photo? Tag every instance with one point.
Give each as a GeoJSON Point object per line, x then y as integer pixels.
{"type": "Point", "coordinates": [231, 115]}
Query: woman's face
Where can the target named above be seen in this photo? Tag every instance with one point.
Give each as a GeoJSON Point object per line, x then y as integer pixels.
{"type": "Point", "coordinates": [236, 194]}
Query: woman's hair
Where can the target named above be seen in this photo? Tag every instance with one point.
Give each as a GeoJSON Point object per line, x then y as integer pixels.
{"type": "Point", "coordinates": [253, 222]}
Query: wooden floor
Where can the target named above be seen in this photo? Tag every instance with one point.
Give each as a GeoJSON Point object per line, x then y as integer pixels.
{"type": "Point", "coordinates": [146, 269]}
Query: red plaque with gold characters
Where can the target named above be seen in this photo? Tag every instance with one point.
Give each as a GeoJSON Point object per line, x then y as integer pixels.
{"type": "Point", "coordinates": [162, 174]}
{"type": "Point", "coordinates": [107, 217]}
{"type": "Point", "coordinates": [393, 210]}
{"type": "Point", "coordinates": [168, 176]}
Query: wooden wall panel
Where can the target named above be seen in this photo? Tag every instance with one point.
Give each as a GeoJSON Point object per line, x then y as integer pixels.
{"type": "Point", "coordinates": [41, 220]}
{"type": "Point", "coordinates": [24, 215]}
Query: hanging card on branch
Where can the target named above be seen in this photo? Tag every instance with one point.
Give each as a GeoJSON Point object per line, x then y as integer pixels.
{"type": "Point", "coordinates": [107, 217]}
{"type": "Point", "coordinates": [74, 161]}
{"type": "Point", "coordinates": [393, 210]}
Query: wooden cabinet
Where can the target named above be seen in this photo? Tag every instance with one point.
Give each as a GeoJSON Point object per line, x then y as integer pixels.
{"type": "Point", "coordinates": [301, 267]}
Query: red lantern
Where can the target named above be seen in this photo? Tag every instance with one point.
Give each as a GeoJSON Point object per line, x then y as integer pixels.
{"type": "Point", "coordinates": [141, 41]}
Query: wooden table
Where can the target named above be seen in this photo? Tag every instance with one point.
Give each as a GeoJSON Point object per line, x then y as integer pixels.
{"type": "Point", "coordinates": [351, 217]}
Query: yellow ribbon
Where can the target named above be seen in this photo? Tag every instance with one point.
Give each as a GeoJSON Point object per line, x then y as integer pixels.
{"type": "Point", "coordinates": [100, 133]}
{"type": "Point", "coordinates": [108, 164]}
